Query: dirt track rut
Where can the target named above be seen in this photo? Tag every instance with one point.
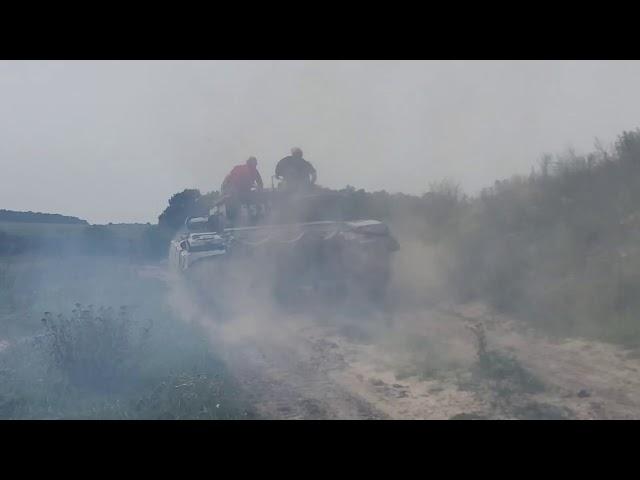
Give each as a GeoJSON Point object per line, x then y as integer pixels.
{"type": "Point", "coordinates": [421, 366]}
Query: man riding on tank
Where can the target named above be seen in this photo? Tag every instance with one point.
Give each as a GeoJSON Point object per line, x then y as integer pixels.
{"type": "Point", "coordinates": [297, 173]}
{"type": "Point", "coordinates": [302, 235]}
{"type": "Point", "coordinates": [242, 187]}
{"type": "Point", "coordinates": [299, 199]}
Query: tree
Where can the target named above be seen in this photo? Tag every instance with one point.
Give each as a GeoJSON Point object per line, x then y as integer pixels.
{"type": "Point", "coordinates": [155, 242]}
{"type": "Point", "coordinates": [628, 146]}
{"type": "Point", "coordinates": [181, 206]}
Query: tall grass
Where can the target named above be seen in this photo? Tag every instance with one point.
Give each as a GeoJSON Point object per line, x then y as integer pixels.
{"type": "Point", "coordinates": [98, 348]}
{"type": "Point", "coordinates": [125, 357]}
{"type": "Point", "coordinates": [105, 363]}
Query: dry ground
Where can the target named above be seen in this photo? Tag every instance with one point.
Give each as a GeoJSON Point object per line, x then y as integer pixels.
{"type": "Point", "coordinates": [416, 364]}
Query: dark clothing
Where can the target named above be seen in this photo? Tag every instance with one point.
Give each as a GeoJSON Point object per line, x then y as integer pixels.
{"type": "Point", "coordinates": [253, 201]}
{"type": "Point", "coordinates": [295, 171]}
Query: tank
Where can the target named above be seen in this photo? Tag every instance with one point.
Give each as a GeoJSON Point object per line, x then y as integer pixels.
{"type": "Point", "coordinates": [291, 244]}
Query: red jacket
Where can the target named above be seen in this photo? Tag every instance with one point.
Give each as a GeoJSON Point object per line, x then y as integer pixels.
{"type": "Point", "coordinates": [242, 177]}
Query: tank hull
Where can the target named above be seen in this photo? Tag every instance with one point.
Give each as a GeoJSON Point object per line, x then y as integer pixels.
{"type": "Point", "coordinates": [334, 259]}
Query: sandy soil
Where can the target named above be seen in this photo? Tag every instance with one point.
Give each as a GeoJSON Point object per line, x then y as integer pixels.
{"type": "Point", "coordinates": [415, 364]}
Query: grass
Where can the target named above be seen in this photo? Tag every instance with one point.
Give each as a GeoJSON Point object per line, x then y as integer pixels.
{"type": "Point", "coordinates": [192, 396]}
{"type": "Point", "coordinates": [98, 348]}
{"type": "Point", "coordinates": [134, 241]}
{"type": "Point", "coordinates": [511, 387]}
{"type": "Point", "coordinates": [29, 229]}
{"type": "Point", "coordinates": [108, 348]}
{"type": "Point", "coordinates": [504, 369]}
{"type": "Point", "coordinates": [104, 363]}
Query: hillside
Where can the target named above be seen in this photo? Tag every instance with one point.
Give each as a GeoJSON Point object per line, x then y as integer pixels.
{"type": "Point", "coordinates": [37, 217]}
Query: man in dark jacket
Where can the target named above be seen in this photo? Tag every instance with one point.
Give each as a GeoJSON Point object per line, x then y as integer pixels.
{"type": "Point", "coordinates": [298, 174]}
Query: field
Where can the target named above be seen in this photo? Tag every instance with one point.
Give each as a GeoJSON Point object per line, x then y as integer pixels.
{"type": "Point", "coordinates": [125, 230]}
{"type": "Point", "coordinates": [92, 337]}
{"type": "Point", "coordinates": [137, 242]}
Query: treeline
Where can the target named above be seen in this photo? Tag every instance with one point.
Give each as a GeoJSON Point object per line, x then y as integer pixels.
{"type": "Point", "coordinates": [37, 217]}
{"type": "Point", "coordinates": [188, 203]}
{"type": "Point", "coordinates": [433, 207]}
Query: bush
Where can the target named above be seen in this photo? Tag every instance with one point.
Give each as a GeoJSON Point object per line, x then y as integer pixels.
{"type": "Point", "coordinates": [155, 242]}
{"type": "Point", "coordinates": [98, 349]}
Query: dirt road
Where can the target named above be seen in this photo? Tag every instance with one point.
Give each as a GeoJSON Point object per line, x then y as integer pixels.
{"type": "Point", "coordinates": [416, 364]}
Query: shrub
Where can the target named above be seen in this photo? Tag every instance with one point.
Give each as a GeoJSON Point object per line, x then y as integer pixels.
{"type": "Point", "coordinates": [100, 349]}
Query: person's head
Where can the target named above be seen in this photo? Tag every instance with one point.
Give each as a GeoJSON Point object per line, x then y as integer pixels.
{"type": "Point", "coordinates": [296, 152]}
{"type": "Point", "coordinates": [252, 162]}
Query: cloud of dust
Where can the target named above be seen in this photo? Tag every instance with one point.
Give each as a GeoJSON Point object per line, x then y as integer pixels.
{"type": "Point", "coordinates": [236, 303]}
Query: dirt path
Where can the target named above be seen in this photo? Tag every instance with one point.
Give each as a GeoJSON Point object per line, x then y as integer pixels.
{"type": "Point", "coordinates": [594, 379]}
{"type": "Point", "coordinates": [420, 364]}
{"type": "Point", "coordinates": [298, 387]}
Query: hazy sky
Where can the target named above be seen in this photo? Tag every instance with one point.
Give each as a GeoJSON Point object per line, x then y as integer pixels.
{"type": "Point", "coordinates": [112, 140]}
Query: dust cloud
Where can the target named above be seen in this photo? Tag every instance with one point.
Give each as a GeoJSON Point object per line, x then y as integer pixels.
{"type": "Point", "coordinates": [509, 297]}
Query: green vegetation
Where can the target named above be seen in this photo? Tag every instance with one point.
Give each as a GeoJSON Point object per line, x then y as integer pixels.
{"type": "Point", "coordinates": [137, 242]}
{"type": "Point", "coordinates": [558, 248]}
{"type": "Point", "coordinates": [188, 203]}
{"type": "Point", "coordinates": [508, 375]}
{"type": "Point", "coordinates": [129, 362]}
{"type": "Point", "coordinates": [33, 217]}
{"type": "Point", "coordinates": [95, 348]}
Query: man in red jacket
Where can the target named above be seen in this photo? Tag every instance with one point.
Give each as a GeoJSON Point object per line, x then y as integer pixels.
{"type": "Point", "coordinates": [237, 186]}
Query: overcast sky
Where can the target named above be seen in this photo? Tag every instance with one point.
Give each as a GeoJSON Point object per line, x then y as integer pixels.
{"type": "Point", "coordinates": [113, 140]}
